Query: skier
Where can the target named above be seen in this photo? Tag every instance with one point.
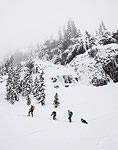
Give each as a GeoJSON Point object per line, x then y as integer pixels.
{"type": "Point", "coordinates": [54, 115]}
{"type": "Point", "coordinates": [70, 113]}
{"type": "Point", "coordinates": [31, 110]}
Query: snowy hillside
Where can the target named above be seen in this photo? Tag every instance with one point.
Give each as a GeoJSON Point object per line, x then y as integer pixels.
{"type": "Point", "coordinates": [87, 66]}
{"type": "Point", "coordinates": [60, 75]}
{"type": "Point", "coordinates": [58, 72]}
{"type": "Point", "coordinates": [96, 105]}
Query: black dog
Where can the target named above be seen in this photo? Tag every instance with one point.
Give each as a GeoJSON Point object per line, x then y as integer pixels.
{"type": "Point", "coordinates": [84, 121]}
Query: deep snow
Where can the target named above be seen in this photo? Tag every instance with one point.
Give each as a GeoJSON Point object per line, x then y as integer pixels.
{"type": "Point", "coordinates": [98, 105]}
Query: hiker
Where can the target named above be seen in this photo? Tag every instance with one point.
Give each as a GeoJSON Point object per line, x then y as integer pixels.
{"type": "Point", "coordinates": [84, 121]}
{"type": "Point", "coordinates": [54, 115]}
{"type": "Point", "coordinates": [70, 113]}
{"type": "Point", "coordinates": [31, 110]}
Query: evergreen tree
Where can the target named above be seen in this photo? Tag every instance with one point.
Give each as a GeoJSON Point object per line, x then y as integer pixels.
{"type": "Point", "coordinates": [74, 30]}
{"type": "Point", "coordinates": [2, 70]}
{"type": "Point", "coordinates": [56, 101]}
{"type": "Point", "coordinates": [27, 85]}
{"type": "Point", "coordinates": [102, 28]}
{"type": "Point", "coordinates": [16, 79]}
{"type": "Point", "coordinates": [79, 33]}
{"type": "Point", "coordinates": [67, 36]}
{"type": "Point", "coordinates": [30, 66]}
{"type": "Point", "coordinates": [36, 88]}
{"type": "Point", "coordinates": [11, 94]}
{"type": "Point", "coordinates": [71, 31]}
{"type": "Point", "coordinates": [89, 41]}
{"type": "Point", "coordinates": [105, 36]}
{"type": "Point", "coordinates": [9, 64]}
{"type": "Point", "coordinates": [41, 97]}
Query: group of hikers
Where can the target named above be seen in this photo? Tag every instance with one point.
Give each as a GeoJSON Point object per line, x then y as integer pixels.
{"type": "Point", "coordinates": [54, 114]}
{"type": "Point", "coordinates": [70, 113]}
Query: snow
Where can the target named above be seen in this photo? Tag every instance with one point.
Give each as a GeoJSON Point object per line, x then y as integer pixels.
{"type": "Point", "coordinates": [112, 45]}
{"type": "Point", "coordinates": [87, 67]}
{"type": "Point", "coordinates": [97, 105]}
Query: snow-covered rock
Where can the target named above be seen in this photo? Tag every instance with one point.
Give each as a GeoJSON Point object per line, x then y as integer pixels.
{"type": "Point", "coordinates": [88, 67]}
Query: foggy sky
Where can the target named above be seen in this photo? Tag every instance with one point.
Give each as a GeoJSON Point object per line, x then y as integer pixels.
{"type": "Point", "coordinates": [23, 23]}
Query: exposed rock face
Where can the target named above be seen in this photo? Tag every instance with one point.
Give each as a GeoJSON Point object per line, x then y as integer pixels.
{"type": "Point", "coordinates": [92, 52]}
{"type": "Point", "coordinates": [99, 82]}
{"type": "Point", "coordinates": [111, 69]}
{"type": "Point", "coordinates": [115, 76]}
{"type": "Point", "coordinates": [98, 66]}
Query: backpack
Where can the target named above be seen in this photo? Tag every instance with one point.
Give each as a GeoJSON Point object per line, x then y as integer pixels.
{"type": "Point", "coordinates": [71, 113]}
{"type": "Point", "coordinates": [32, 107]}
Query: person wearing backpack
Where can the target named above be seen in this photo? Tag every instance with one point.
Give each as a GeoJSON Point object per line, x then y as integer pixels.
{"type": "Point", "coordinates": [54, 115]}
{"type": "Point", "coordinates": [31, 110]}
{"type": "Point", "coordinates": [70, 113]}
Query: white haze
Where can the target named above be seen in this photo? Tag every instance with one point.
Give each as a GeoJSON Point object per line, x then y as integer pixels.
{"type": "Point", "coordinates": [24, 23]}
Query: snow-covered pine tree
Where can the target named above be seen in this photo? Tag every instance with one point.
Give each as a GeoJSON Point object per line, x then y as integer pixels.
{"type": "Point", "coordinates": [60, 41]}
{"type": "Point", "coordinates": [79, 33]}
{"type": "Point", "coordinates": [67, 36]}
{"type": "Point", "coordinates": [41, 97]}
{"type": "Point", "coordinates": [30, 66]}
{"type": "Point", "coordinates": [56, 101]}
{"type": "Point", "coordinates": [74, 30]}
{"type": "Point", "coordinates": [27, 86]}
{"type": "Point", "coordinates": [89, 41]}
{"type": "Point", "coordinates": [17, 79]}
{"type": "Point", "coordinates": [105, 36]}
{"type": "Point", "coordinates": [9, 64]}
{"type": "Point", "coordinates": [71, 31]}
{"type": "Point", "coordinates": [102, 28]}
{"type": "Point", "coordinates": [2, 70]}
{"type": "Point", "coordinates": [36, 88]}
{"type": "Point", "coordinates": [11, 94]}
{"type": "Point", "coordinates": [68, 33]}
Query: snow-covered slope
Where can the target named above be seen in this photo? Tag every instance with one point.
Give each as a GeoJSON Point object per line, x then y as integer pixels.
{"type": "Point", "coordinates": [96, 105]}
{"type": "Point", "coordinates": [88, 67]}
{"type": "Point", "coordinates": [58, 72]}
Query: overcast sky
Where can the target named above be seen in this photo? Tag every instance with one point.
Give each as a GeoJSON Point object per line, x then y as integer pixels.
{"type": "Point", "coordinates": [23, 23]}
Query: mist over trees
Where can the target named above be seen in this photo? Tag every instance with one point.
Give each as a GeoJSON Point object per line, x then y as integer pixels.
{"type": "Point", "coordinates": [71, 42]}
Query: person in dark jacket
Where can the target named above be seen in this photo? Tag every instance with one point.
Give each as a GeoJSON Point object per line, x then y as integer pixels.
{"type": "Point", "coordinates": [70, 113]}
{"type": "Point", "coordinates": [84, 121]}
{"type": "Point", "coordinates": [54, 115]}
{"type": "Point", "coordinates": [31, 110]}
